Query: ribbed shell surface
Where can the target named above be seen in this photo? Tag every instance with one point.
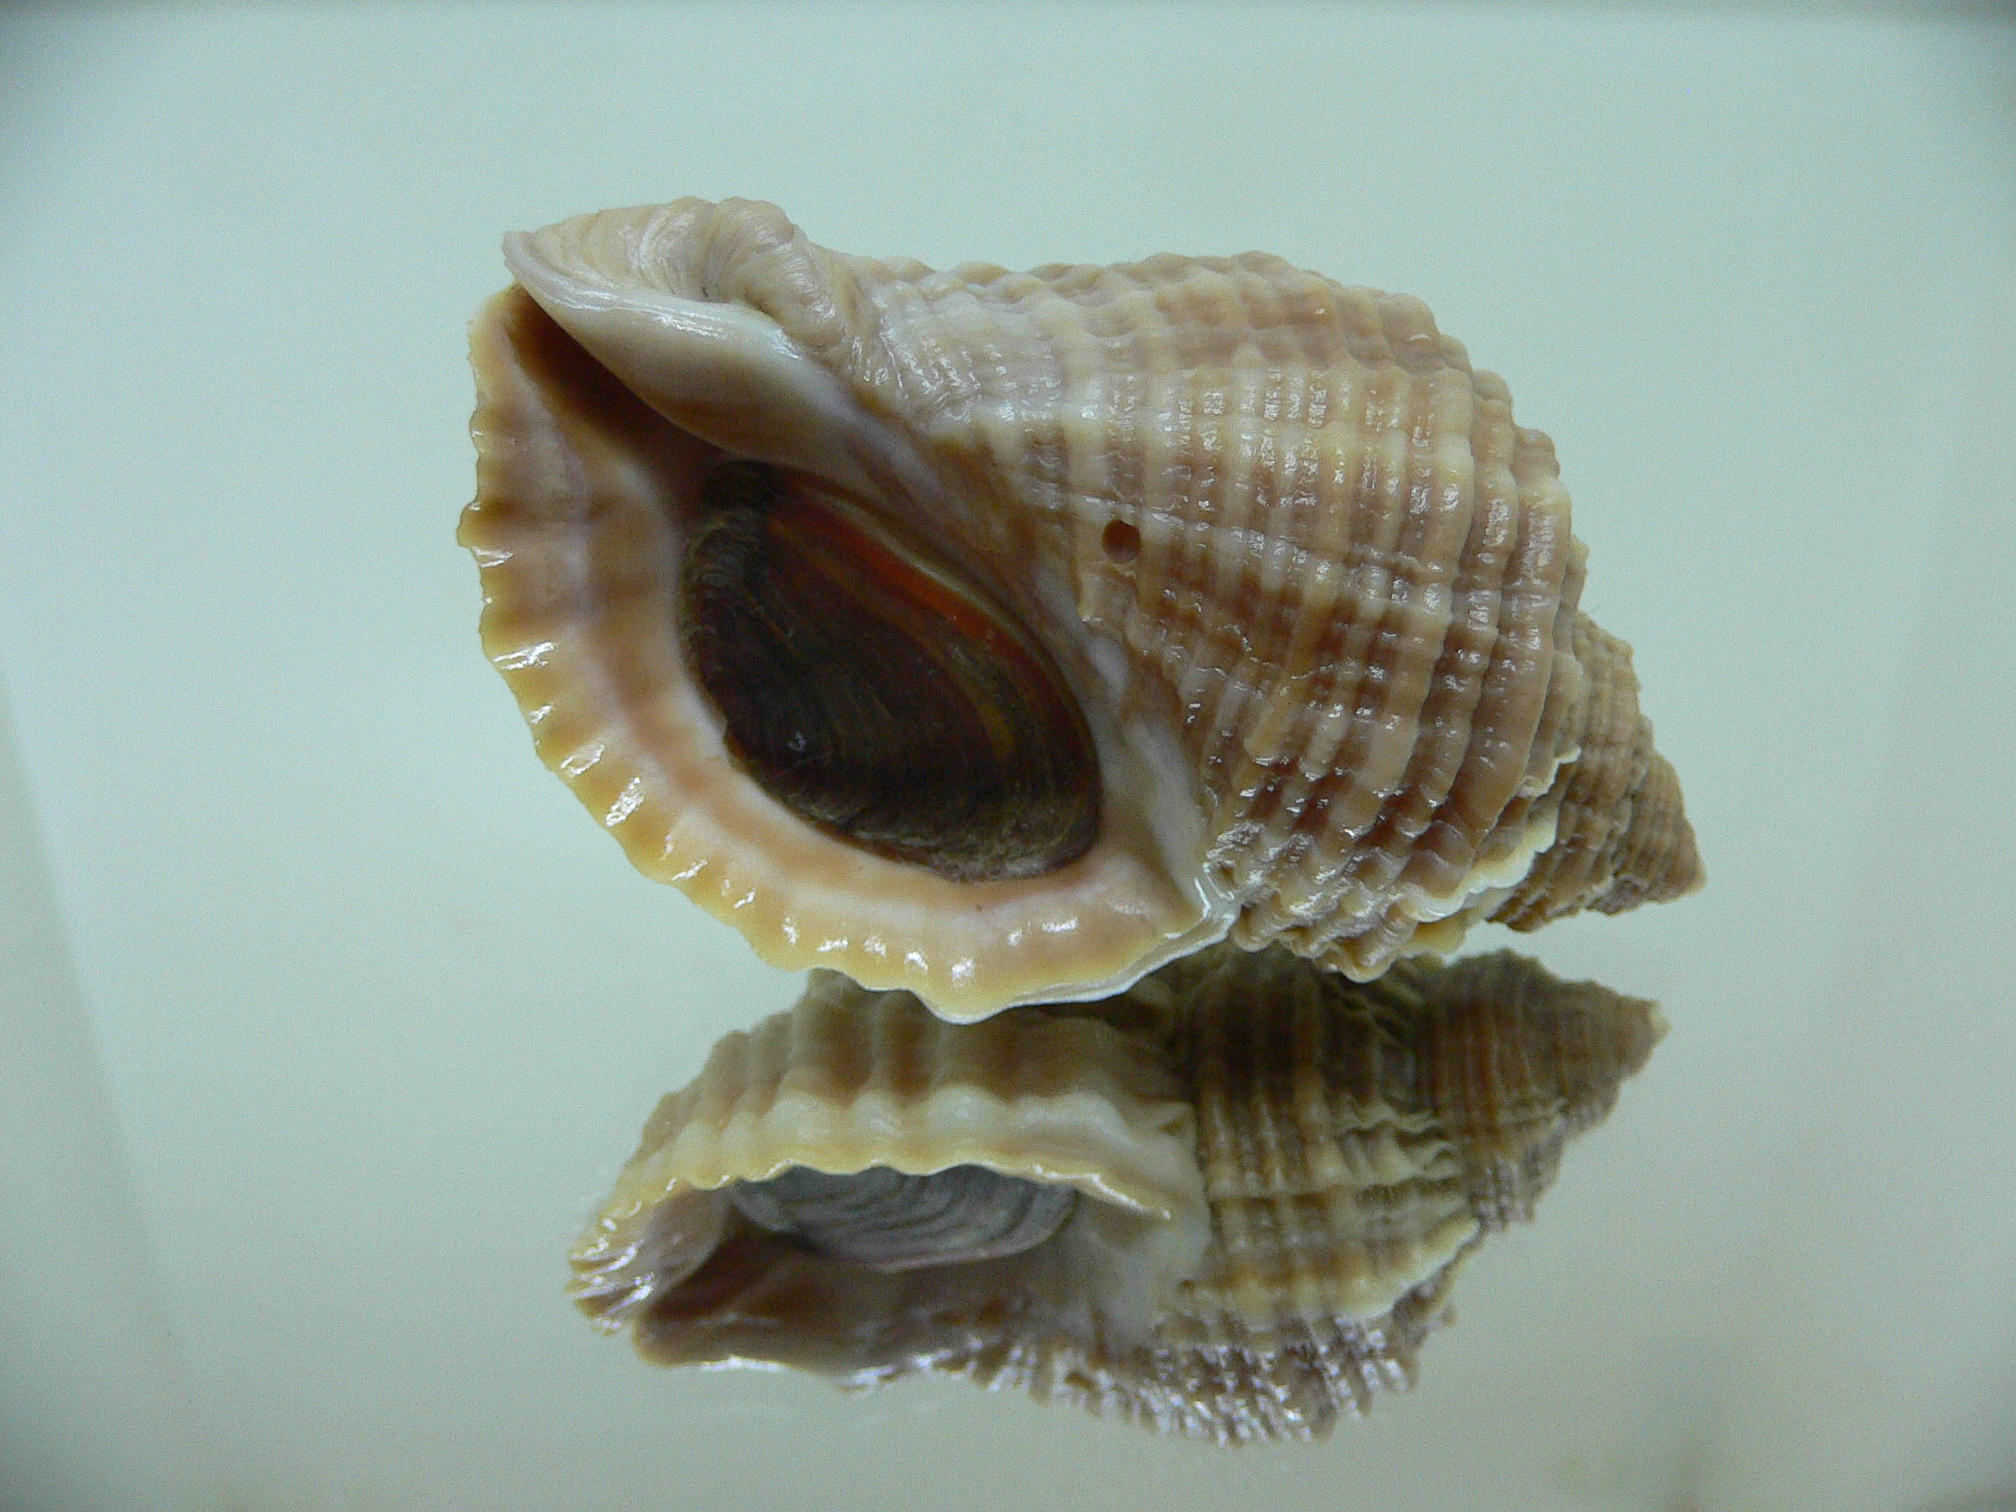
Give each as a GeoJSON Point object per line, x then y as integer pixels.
{"type": "Point", "coordinates": [1273, 525]}
{"type": "Point", "coordinates": [1352, 570]}
{"type": "Point", "coordinates": [1279, 1173]}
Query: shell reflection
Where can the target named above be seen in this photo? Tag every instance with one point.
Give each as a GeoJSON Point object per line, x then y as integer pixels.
{"type": "Point", "coordinates": [1226, 1203]}
{"type": "Point", "coordinates": [1004, 636]}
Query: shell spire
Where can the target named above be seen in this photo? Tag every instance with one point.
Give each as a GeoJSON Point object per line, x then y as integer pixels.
{"type": "Point", "coordinates": [1253, 1183]}
{"type": "Point", "coordinates": [1194, 598]}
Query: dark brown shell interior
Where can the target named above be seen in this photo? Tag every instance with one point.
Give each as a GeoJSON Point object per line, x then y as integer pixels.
{"type": "Point", "coordinates": [876, 692]}
{"type": "Point", "coordinates": [888, 1220]}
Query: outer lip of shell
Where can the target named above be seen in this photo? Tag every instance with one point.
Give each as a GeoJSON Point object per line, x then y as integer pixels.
{"type": "Point", "coordinates": [618, 716]}
{"type": "Point", "coordinates": [850, 1079]}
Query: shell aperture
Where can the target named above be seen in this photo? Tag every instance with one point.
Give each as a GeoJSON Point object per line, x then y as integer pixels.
{"type": "Point", "coordinates": [1308, 594]}
{"type": "Point", "coordinates": [876, 695]}
{"type": "Point", "coordinates": [1267, 1176]}
{"type": "Point", "coordinates": [889, 1221]}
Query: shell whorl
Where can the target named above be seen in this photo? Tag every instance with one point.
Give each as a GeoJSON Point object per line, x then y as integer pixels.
{"type": "Point", "coordinates": [1314, 592]}
{"type": "Point", "coordinates": [1274, 1175]}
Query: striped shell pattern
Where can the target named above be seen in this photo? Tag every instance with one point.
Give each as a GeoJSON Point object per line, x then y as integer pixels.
{"type": "Point", "coordinates": [1116, 684]}
{"type": "Point", "coordinates": [1273, 1174]}
{"type": "Point", "coordinates": [1002, 636]}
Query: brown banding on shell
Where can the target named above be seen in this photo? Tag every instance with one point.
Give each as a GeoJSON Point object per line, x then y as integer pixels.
{"type": "Point", "coordinates": [1310, 590]}
{"type": "Point", "coordinates": [1269, 1174]}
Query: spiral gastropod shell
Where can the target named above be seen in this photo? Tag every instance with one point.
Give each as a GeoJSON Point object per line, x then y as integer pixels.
{"type": "Point", "coordinates": [1227, 1203]}
{"type": "Point", "coordinates": [1003, 636]}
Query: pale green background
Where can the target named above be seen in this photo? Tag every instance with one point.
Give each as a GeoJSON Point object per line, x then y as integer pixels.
{"type": "Point", "coordinates": [328, 1016]}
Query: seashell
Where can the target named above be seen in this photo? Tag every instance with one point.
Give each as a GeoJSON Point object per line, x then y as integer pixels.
{"type": "Point", "coordinates": [1227, 1203]}
{"type": "Point", "coordinates": [1003, 636]}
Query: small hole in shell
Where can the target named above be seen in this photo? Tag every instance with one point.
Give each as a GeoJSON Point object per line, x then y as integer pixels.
{"type": "Point", "coordinates": [1121, 541]}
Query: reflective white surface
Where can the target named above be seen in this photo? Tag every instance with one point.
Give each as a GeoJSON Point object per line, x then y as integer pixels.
{"type": "Point", "coordinates": [326, 1015]}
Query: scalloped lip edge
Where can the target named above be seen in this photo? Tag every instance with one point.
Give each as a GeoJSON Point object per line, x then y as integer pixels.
{"type": "Point", "coordinates": [1124, 918]}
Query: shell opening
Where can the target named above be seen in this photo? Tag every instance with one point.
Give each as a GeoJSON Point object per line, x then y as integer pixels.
{"type": "Point", "coordinates": [876, 693]}
{"type": "Point", "coordinates": [889, 1221]}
